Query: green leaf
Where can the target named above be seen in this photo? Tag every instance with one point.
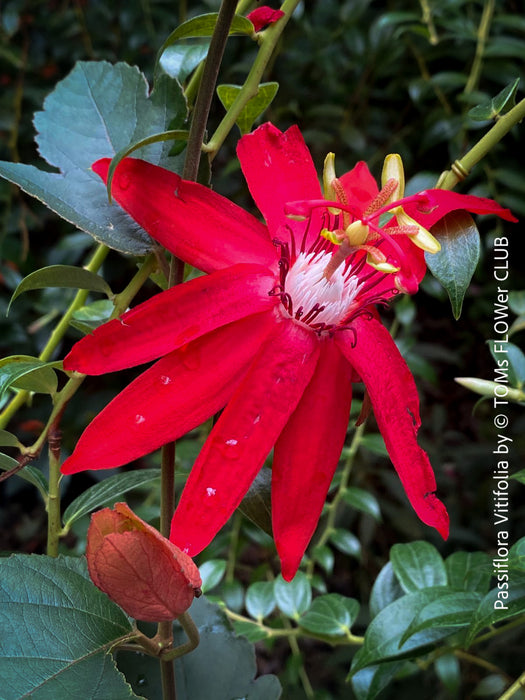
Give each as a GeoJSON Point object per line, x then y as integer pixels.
{"type": "Point", "coordinates": [28, 373]}
{"type": "Point", "coordinates": [502, 602]}
{"type": "Point", "coordinates": [332, 615]}
{"type": "Point", "coordinates": [453, 610]}
{"type": "Point", "coordinates": [251, 630]}
{"type": "Point", "coordinates": [469, 571]}
{"type": "Point", "coordinates": [375, 443]}
{"type": "Point", "coordinates": [232, 592]}
{"type": "Point", "coordinates": [456, 262]}
{"type": "Point", "coordinates": [517, 302]}
{"type": "Point", "coordinates": [293, 598]}
{"type": "Point", "coordinates": [96, 111]}
{"type": "Point", "coordinates": [370, 681]}
{"type": "Point", "coordinates": [256, 504]}
{"type": "Point", "coordinates": [179, 60]}
{"type": "Point", "coordinates": [418, 565]}
{"type": "Point", "coordinates": [492, 686]}
{"type": "Point", "coordinates": [362, 500]}
{"type": "Point", "coordinates": [222, 667]}
{"type": "Point", "coordinates": [211, 573]}
{"type": "Point", "coordinates": [56, 631]}
{"type": "Point", "coordinates": [8, 439]}
{"type": "Point", "coordinates": [324, 556]}
{"type": "Point", "coordinates": [448, 670]}
{"type": "Point", "coordinates": [385, 590]}
{"type": "Point", "coordinates": [89, 317]}
{"type": "Point", "coordinates": [7, 462]}
{"type": "Point", "coordinates": [62, 276]}
{"type": "Point", "coordinates": [503, 102]}
{"type": "Point", "coordinates": [107, 492]}
{"type": "Point", "coordinates": [30, 474]}
{"type": "Point", "coordinates": [383, 636]}
{"type": "Point", "coordinates": [346, 542]}
{"type": "Point", "coordinates": [253, 108]}
{"type": "Point", "coordinates": [201, 26]}
{"type": "Point", "coordinates": [260, 600]}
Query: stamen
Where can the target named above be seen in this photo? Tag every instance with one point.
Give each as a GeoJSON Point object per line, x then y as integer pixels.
{"type": "Point", "coordinates": [388, 189]}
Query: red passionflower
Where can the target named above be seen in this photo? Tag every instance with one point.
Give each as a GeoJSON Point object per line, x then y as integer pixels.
{"type": "Point", "coordinates": [275, 334]}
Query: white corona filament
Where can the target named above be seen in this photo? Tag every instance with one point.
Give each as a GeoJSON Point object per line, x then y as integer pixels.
{"type": "Point", "coordinates": [307, 286]}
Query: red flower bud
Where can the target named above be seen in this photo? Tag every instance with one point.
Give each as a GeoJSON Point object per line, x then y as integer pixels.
{"type": "Point", "coordinates": [262, 16]}
{"type": "Point", "coordinates": [138, 568]}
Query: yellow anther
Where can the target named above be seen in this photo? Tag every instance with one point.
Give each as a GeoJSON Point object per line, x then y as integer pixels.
{"type": "Point", "coordinates": [423, 238]}
{"type": "Point", "coordinates": [332, 188]}
{"type": "Point", "coordinates": [393, 170]}
{"type": "Point", "coordinates": [329, 176]}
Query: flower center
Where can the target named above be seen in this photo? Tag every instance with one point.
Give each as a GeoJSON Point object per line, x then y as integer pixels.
{"type": "Point", "coordinates": [312, 299]}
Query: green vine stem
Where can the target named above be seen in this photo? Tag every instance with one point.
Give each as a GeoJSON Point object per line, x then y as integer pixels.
{"type": "Point", "coordinates": [428, 21]}
{"type": "Point", "coordinates": [520, 683]}
{"type": "Point", "coordinates": [207, 88]}
{"type": "Point", "coordinates": [483, 33]}
{"type": "Point", "coordinates": [267, 41]}
{"type": "Point", "coordinates": [53, 497]}
{"type": "Point", "coordinates": [278, 632]}
{"type": "Point", "coordinates": [192, 87]}
{"type": "Point", "coordinates": [57, 334]}
{"type": "Point", "coordinates": [462, 167]}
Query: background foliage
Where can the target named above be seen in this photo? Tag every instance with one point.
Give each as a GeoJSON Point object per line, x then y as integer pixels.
{"type": "Point", "coordinates": [361, 79]}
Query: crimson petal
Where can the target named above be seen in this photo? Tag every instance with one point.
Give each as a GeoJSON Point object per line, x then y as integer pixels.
{"type": "Point", "coordinates": [196, 224]}
{"type": "Point", "coordinates": [393, 393]}
{"type": "Point", "coordinates": [278, 168]}
{"type": "Point", "coordinates": [244, 435]}
{"type": "Point", "coordinates": [306, 456]}
{"type": "Point", "coordinates": [440, 202]}
{"type": "Point", "coordinates": [173, 396]}
{"type": "Point", "coordinates": [173, 318]}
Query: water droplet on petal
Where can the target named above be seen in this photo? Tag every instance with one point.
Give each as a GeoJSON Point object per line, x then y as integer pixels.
{"type": "Point", "coordinates": [231, 442]}
{"type": "Point", "coordinates": [165, 380]}
{"type": "Point", "coordinates": [210, 492]}
{"type": "Point", "coordinates": [256, 419]}
{"type": "Point", "coordinates": [139, 419]}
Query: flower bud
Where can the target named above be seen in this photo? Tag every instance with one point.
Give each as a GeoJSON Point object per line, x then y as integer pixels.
{"type": "Point", "coordinates": [142, 571]}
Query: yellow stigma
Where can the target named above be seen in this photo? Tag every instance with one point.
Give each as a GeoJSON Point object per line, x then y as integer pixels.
{"type": "Point", "coordinates": [332, 236]}
{"type": "Point", "coordinates": [381, 266]}
{"type": "Point", "coordinates": [357, 233]}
